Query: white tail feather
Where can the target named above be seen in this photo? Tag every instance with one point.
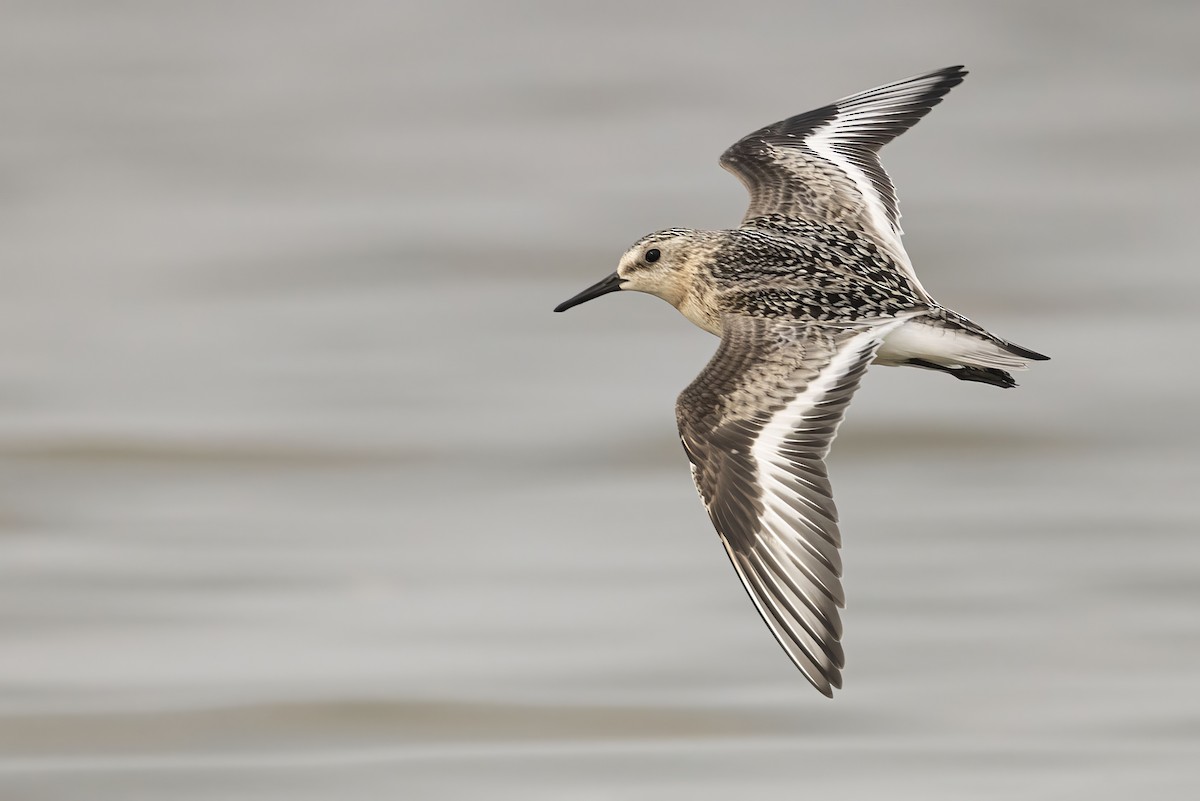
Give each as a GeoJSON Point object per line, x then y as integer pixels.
{"type": "Point", "coordinates": [952, 346]}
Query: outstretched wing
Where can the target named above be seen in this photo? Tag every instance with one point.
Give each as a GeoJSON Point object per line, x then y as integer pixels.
{"type": "Point", "coordinates": [824, 165]}
{"type": "Point", "coordinates": [756, 425]}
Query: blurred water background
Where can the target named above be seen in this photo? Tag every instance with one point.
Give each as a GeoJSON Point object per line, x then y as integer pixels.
{"type": "Point", "coordinates": [306, 494]}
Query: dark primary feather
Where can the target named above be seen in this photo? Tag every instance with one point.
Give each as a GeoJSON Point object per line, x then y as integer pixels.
{"type": "Point", "coordinates": [788, 170]}
{"type": "Point", "coordinates": [775, 512]}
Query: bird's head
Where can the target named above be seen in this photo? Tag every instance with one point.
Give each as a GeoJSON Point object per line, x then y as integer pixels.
{"type": "Point", "coordinates": [665, 263]}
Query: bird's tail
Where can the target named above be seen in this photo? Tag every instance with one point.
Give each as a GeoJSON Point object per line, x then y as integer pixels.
{"type": "Point", "coordinates": [944, 340]}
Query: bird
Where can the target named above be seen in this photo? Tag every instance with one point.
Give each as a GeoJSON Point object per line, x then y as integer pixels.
{"type": "Point", "coordinates": [811, 288]}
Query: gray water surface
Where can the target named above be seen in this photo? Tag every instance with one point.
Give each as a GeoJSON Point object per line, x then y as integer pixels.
{"type": "Point", "coordinates": [307, 495]}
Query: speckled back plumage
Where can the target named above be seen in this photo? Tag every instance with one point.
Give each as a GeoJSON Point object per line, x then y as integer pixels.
{"type": "Point", "coordinates": [814, 272]}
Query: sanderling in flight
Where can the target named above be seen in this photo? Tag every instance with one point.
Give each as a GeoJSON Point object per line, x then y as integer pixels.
{"type": "Point", "coordinates": [810, 289]}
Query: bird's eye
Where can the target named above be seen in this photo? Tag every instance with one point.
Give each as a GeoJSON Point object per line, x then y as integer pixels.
{"type": "Point", "coordinates": [653, 254]}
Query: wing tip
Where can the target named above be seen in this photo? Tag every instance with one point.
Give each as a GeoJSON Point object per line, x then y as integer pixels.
{"type": "Point", "coordinates": [827, 683]}
{"type": "Point", "coordinates": [955, 73]}
{"type": "Point", "coordinates": [940, 81]}
{"type": "Point", "coordinates": [950, 78]}
{"type": "Point", "coordinates": [822, 673]}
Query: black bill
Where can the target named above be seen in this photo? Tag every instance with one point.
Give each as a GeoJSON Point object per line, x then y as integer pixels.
{"type": "Point", "coordinates": [610, 284]}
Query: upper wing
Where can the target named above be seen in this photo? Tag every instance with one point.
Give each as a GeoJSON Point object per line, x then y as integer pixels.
{"type": "Point", "coordinates": [756, 425]}
{"type": "Point", "coordinates": [824, 165]}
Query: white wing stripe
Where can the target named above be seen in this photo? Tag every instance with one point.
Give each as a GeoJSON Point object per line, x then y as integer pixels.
{"type": "Point", "coordinates": [822, 144]}
{"type": "Point", "coordinates": [771, 438]}
{"type": "Point", "coordinates": [776, 483]}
